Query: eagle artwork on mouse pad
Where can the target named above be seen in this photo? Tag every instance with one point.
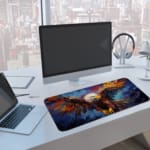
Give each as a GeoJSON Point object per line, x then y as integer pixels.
{"type": "Point", "coordinates": [79, 107]}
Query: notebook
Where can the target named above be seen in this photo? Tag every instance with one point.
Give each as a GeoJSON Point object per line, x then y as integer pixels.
{"type": "Point", "coordinates": [20, 82]}
{"type": "Point", "coordinates": [16, 117]}
{"type": "Point", "coordinates": [70, 110]}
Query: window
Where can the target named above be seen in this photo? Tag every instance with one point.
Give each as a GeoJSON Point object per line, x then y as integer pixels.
{"type": "Point", "coordinates": [19, 45]}
{"type": "Point", "coordinates": [131, 16]}
{"type": "Point", "coordinates": [19, 21]}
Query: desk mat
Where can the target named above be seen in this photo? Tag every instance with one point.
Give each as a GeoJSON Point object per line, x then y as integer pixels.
{"type": "Point", "coordinates": [79, 107]}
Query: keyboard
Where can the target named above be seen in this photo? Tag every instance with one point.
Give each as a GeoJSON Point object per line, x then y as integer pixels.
{"type": "Point", "coordinates": [16, 116]}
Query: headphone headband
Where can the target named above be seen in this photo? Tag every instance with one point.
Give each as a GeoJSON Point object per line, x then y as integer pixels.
{"type": "Point", "coordinates": [122, 34]}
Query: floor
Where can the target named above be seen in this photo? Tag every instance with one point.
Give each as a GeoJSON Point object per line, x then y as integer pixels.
{"type": "Point", "coordinates": [129, 144]}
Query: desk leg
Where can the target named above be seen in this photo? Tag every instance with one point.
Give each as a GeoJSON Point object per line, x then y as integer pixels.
{"type": "Point", "coordinates": [146, 135]}
{"type": "Point", "coordinates": [144, 139]}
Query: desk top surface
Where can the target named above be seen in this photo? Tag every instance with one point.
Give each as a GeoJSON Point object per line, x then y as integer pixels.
{"type": "Point", "coordinates": [47, 131]}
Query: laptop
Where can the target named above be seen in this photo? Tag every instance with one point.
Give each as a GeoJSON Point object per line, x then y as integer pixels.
{"type": "Point", "coordinates": [16, 117]}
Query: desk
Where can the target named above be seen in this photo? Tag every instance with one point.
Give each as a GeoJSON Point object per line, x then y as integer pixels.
{"type": "Point", "coordinates": [92, 136]}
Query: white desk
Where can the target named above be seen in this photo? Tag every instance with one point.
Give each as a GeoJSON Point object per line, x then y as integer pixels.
{"type": "Point", "coordinates": [92, 136]}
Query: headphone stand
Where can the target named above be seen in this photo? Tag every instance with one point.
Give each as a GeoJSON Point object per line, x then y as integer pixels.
{"type": "Point", "coordinates": [122, 61]}
{"type": "Point", "coordinates": [119, 66]}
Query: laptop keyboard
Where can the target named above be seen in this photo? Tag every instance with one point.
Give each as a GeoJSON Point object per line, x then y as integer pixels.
{"type": "Point", "coordinates": [14, 118]}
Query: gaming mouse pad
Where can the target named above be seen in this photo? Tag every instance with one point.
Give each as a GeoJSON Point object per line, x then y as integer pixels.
{"type": "Point", "coordinates": [79, 107]}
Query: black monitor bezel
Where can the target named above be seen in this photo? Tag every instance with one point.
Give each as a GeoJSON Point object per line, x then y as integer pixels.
{"type": "Point", "coordinates": [65, 25]}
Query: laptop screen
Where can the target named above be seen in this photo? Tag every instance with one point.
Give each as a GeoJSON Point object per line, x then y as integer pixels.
{"type": "Point", "coordinates": [7, 97]}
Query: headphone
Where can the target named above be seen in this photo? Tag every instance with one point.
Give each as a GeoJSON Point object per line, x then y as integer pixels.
{"type": "Point", "coordinates": [126, 54]}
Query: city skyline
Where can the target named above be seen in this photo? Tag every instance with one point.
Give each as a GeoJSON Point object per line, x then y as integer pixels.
{"type": "Point", "coordinates": [19, 21]}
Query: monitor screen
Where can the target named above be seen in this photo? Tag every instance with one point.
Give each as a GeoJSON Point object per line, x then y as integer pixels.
{"type": "Point", "coordinates": [7, 97]}
{"type": "Point", "coordinates": [75, 47]}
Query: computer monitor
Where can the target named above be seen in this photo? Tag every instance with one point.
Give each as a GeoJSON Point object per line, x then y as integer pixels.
{"type": "Point", "coordinates": [71, 51]}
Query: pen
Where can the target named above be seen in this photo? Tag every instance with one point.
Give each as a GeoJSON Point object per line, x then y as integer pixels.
{"type": "Point", "coordinates": [18, 95]}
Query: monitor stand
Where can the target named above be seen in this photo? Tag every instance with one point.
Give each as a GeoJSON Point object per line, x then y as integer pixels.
{"type": "Point", "coordinates": [79, 82]}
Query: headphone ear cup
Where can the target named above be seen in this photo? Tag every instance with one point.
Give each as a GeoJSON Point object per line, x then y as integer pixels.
{"type": "Point", "coordinates": [116, 55]}
{"type": "Point", "coordinates": [128, 55]}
